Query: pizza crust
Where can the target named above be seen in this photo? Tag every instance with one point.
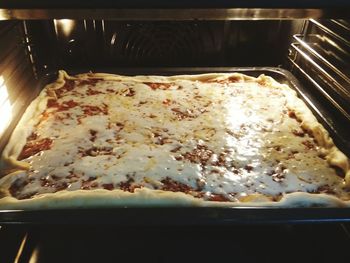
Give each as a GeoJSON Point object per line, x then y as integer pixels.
{"type": "Point", "coordinates": [144, 197]}
{"type": "Point", "coordinates": [149, 197]}
{"type": "Point", "coordinates": [157, 198]}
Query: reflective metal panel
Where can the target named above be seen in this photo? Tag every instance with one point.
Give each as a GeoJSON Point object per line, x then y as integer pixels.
{"type": "Point", "coordinates": [173, 14]}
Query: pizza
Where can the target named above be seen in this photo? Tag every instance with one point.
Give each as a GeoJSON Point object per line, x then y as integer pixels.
{"type": "Point", "coordinates": [221, 139]}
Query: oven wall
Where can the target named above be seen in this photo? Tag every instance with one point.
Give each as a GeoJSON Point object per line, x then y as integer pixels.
{"type": "Point", "coordinates": [104, 44]}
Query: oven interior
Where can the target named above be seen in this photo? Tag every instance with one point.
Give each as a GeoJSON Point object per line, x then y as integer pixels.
{"type": "Point", "coordinates": [316, 51]}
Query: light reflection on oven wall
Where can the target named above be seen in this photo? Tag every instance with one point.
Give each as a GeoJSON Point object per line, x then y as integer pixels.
{"type": "Point", "coordinates": [5, 106]}
{"type": "Point", "coordinates": [64, 27]}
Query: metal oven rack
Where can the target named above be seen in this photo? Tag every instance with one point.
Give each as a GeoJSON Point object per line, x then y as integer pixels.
{"type": "Point", "coordinates": [320, 57]}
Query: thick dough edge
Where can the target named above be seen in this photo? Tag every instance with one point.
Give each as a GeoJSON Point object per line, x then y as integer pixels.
{"type": "Point", "coordinates": [147, 197]}
{"type": "Point", "coordinates": [144, 197]}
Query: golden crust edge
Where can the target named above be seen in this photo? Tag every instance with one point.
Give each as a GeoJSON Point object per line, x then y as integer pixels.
{"type": "Point", "coordinates": [152, 198]}
{"type": "Point", "coordinates": [157, 78]}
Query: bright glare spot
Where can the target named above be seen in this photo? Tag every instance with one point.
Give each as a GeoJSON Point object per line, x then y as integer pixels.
{"type": "Point", "coordinates": [4, 14]}
{"type": "Point", "coordinates": [236, 113]}
{"type": "Point", "coordinates": [243, 123]}
{"type": "Point", "coordinates": [5, 106]}
{"type": "Point", "coordinates": [64, 26]}
{"type": "Point", "coordinates": [113, 40]}
{"type": "Point", "coordinates": [34, 257]}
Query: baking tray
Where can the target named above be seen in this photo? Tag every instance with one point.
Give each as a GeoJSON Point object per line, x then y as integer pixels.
{"type": "Point", "coordinates": [194, 215]}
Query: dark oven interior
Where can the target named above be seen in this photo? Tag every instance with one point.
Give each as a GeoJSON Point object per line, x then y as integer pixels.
{"type": "Point", "coordinates": [316, 51]}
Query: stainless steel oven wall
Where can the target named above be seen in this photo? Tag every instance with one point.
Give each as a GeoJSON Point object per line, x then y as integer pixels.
{"type": "Point", "coordinates": [92, 44]}
{"type": "Point", "coordinates": [17, 77]}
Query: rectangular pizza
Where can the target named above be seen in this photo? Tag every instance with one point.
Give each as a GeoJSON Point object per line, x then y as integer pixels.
{"type": "Point", "coordinates": [220, 139]}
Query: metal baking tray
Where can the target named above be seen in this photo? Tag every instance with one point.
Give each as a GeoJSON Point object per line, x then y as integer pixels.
{"type": "Point", "coordinates": [195, 215]}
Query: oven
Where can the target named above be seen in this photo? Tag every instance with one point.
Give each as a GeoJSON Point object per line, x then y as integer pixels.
{"type": "Point", "coordinates": [302, 42]}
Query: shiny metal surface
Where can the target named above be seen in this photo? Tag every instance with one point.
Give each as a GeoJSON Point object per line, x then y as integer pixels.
{"type": "Point", "coordinates": [109, 43]}
{"type": "Point", "coordinates": [320, 57]}
{"type": "Point", "coordinates": [173, 14]}
{"type": "Point", "coordinates": [322, 54]}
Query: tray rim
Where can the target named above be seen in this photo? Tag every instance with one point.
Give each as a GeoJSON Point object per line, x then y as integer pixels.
{"type": "Point", "coordinates": [177, 216]}
{"type": "Point", "coordinates": [183, 215]}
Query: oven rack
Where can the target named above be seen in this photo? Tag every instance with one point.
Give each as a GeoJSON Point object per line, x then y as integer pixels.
{"type": "Point", "coordinates": [320, 55]}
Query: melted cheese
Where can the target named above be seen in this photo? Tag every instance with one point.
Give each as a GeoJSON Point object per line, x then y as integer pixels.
{"type": "Point", "coordinates": [233, 139]}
